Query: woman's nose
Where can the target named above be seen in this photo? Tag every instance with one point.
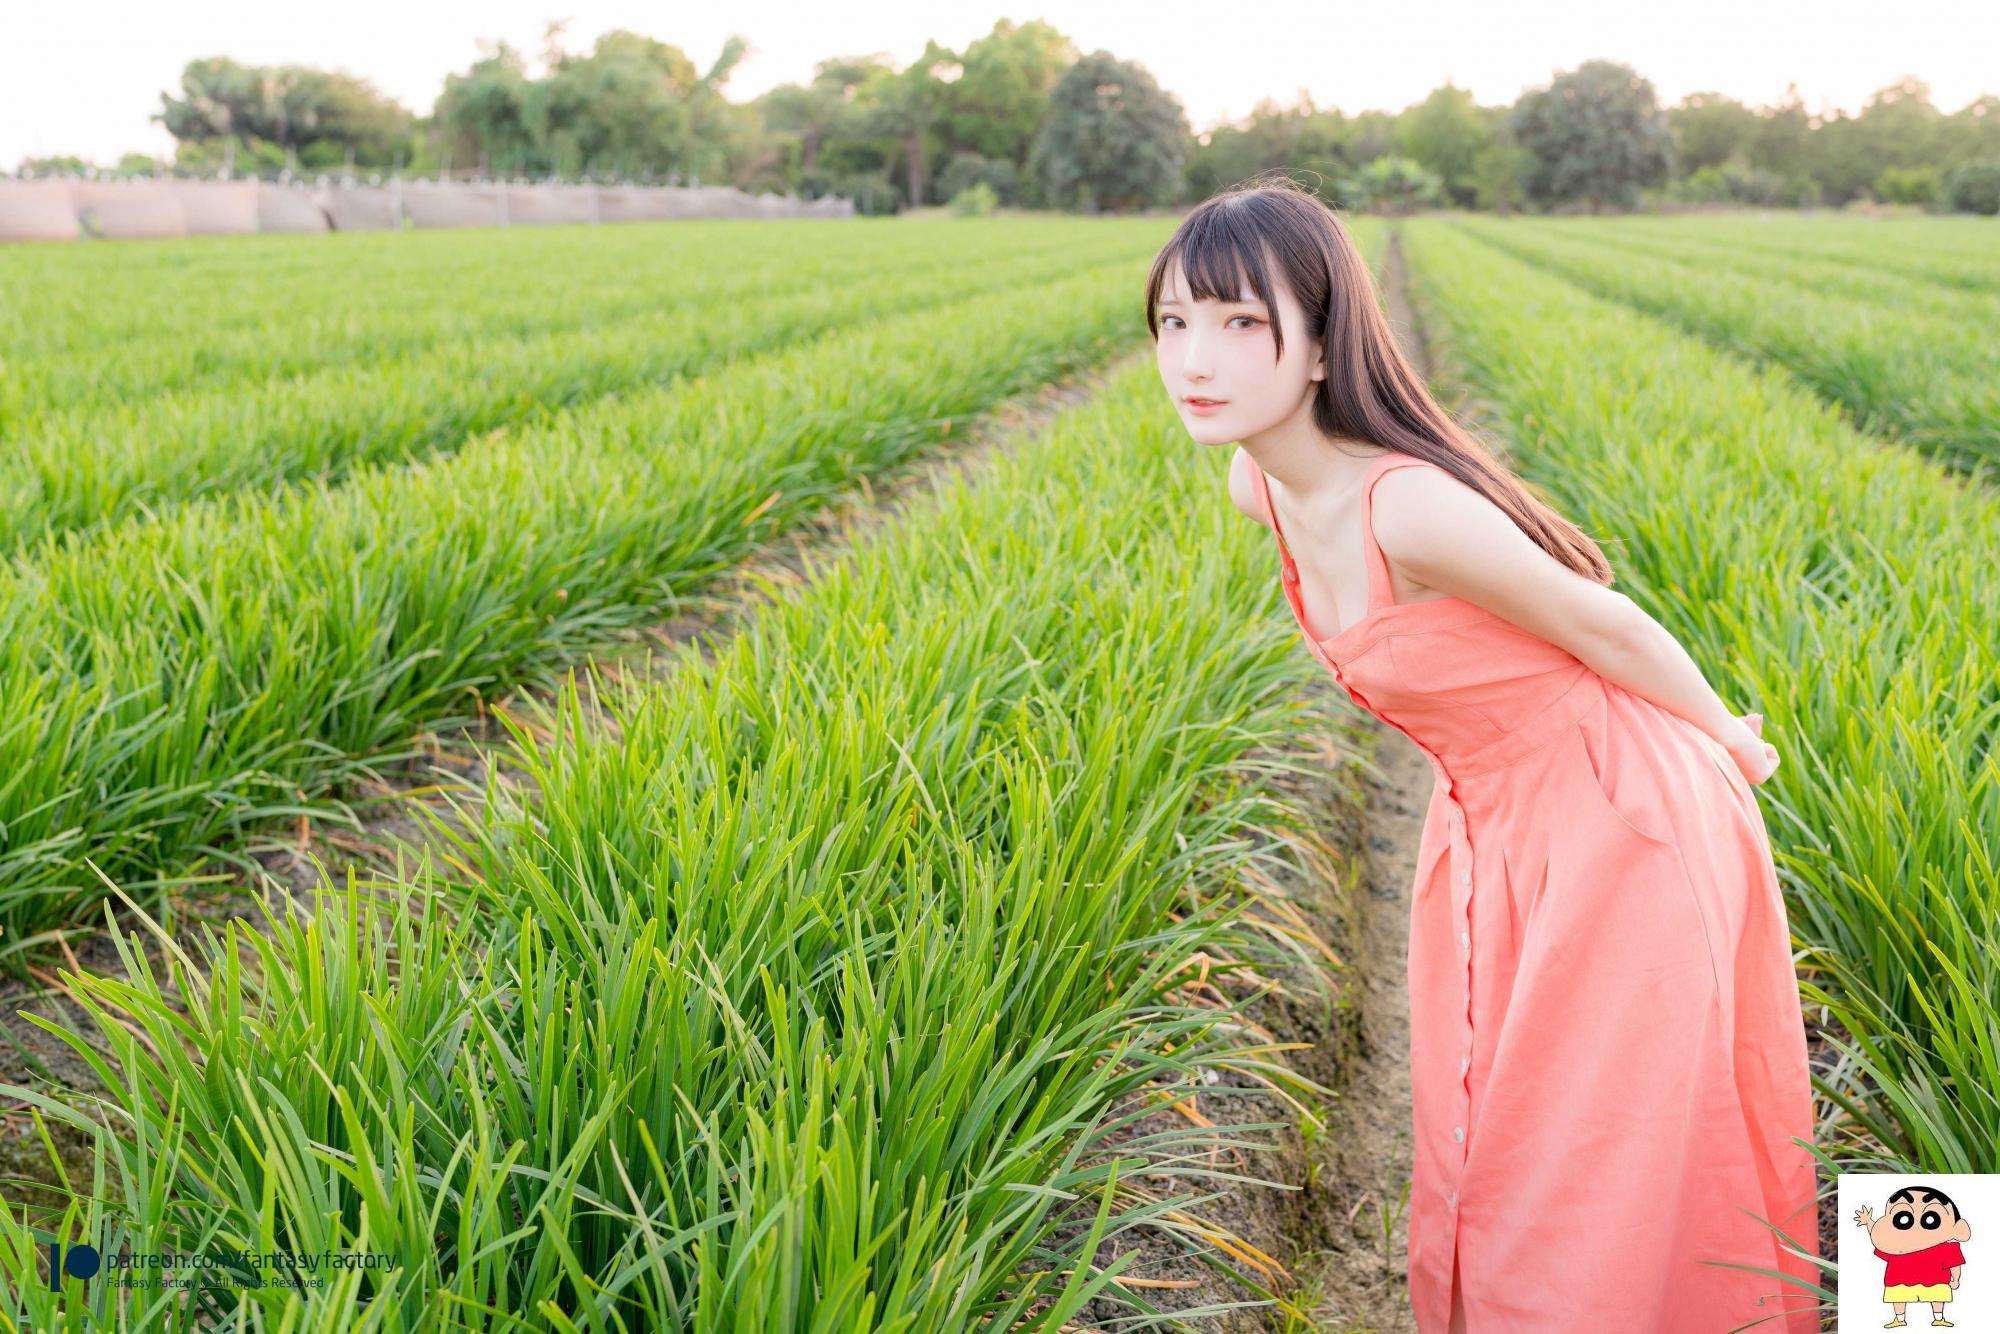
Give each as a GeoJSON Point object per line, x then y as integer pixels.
{"type": "Point", "coordinates": [1194, 357]}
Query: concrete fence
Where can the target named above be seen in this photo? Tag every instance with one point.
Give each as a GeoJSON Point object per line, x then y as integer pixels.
{"type": "Point", "coordinates": [62, 209]}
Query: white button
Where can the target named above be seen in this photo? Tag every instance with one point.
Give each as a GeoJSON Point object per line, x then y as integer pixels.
{"type": "Point", "coordinates": [1453, 1198]}
{"type": "Point", "coordinates": [1465, 877]}
{"type": "Point", "coordinates": [1458, 1133]}
{"type": "Point", "coordinates": [1465, 938]}
{"type": "Point", "coordinates": [1464, 1064]}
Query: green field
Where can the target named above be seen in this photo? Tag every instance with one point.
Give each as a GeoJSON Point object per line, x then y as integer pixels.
{"type": "Point", "coordinates": [808, 983]}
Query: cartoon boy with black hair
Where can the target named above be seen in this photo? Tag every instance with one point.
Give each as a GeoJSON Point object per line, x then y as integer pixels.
{"type": "Point", "coordinates": [1919, 1238]}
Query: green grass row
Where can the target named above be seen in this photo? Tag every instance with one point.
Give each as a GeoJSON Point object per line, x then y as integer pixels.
{"type": "Point", "coordinates": [1844, 591]}
{"type": "Point", "coordinates": [1826, 276]}
{"type": "Point", "coordinates": [282, 324]}
{"type": "Point", "coordinates": [204, 285]}
{"type": "Point", "coordinates": [69, 302]}
{"type": "Point", "coordinates": [1926, 379]}
{"type": "Point", "coordinates": [170, 685]}
{"type": "Point", "coordinates": [804, 994]}
{"type": "Point", "coordinates": [1953, 252]}
{"type": "Point", "coordinates": [80, 469]}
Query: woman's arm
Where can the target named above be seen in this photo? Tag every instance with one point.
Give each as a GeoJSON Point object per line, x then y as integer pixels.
{"type": "Point", "coordinates": [1447, 536]}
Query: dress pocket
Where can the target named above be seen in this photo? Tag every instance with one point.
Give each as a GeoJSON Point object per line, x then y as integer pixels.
{"type": "Point", "coordinates": [1726, 764]}
{"type": "Point", "coordinates": [1593, 768]}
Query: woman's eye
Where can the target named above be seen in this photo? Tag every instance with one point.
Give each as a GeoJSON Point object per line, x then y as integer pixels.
{"type": "Point", "coordinates": [1174, 321]}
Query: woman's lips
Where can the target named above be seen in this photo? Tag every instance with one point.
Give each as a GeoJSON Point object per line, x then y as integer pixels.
{"type": "Point", "coordinates": [1204, 407]}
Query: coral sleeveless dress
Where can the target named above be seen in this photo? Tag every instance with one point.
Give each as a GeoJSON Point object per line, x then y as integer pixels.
{"type": "Point", "coordinates": [1607, 1047]}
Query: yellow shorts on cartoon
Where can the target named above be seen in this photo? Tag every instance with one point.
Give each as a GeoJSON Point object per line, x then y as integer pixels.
{"type": "Point", "coordinates": [1917, 1292]}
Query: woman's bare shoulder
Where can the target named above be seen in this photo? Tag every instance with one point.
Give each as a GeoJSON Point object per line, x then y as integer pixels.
{"type": "Point", "coordinates": [1427, 523]}
{"type": "Point", "coordinates": [1242, 487]}
{"type": "Point", "coordinates": [1421, 503]}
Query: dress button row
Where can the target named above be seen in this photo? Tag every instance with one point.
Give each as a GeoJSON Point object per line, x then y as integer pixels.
{"type": "Point", "coordinates": [1458, 1133]}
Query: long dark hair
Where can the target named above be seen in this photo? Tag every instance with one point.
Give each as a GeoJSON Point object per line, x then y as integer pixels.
{"type": "Point", "coordinates": [1370, 391]}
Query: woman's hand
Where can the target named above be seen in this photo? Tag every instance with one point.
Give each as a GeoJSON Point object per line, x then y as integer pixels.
{"type": "Point", "coordinates": [1755, 757]}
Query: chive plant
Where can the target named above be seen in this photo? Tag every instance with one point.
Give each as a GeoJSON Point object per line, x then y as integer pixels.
{"type": "Point", "coordinates": [1949, 252]}
{"type": "Point", "coordinates": [1827, 275]}
{"type": "Point", "coordinates": [112, 322]}
{"type": "Point", "coordinates": [175, 683]}
{"type": "Point", "coordinates": [1929, 379]}
{"type": "Point", "coordinates": [806, 988]}
{"type": "Point", "coordinates": [81, 469]}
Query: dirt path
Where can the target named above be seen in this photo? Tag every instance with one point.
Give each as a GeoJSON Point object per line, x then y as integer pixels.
{"type": "Point", "coordinates": [1332, 1252]}
{"type": "Point", "coordinates": [1342, 1236]}
{"type": "Point", "coordinates": [1363, 1277]}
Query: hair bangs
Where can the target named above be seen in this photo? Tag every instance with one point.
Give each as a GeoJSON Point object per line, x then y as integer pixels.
{"type": "Point", "coordinates": [1222, 253]}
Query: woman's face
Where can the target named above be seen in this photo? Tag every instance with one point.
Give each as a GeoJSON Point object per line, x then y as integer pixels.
{"type": "Point", "coordinates": [1223, 351]}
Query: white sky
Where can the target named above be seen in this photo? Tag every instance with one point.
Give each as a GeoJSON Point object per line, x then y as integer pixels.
{"type": "Point", "coordinates": [84, 78]}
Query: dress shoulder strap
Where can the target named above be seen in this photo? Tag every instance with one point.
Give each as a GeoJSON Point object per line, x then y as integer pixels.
{"type": "Point", "coordinates": [1380, 592]}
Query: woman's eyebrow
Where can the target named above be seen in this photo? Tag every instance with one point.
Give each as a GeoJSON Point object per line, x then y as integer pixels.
{"type": "Point", "coordinates": [1238, 301]}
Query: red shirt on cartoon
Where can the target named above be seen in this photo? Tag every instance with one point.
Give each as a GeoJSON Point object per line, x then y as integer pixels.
{"type": "Point", "coordinates": [1931, 1265]}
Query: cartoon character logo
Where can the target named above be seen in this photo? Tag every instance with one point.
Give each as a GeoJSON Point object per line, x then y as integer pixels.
{"type": "Point", "coordinates": [1919, 1237]}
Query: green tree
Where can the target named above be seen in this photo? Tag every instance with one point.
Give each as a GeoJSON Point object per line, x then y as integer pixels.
{"type": "Point", "coordinates": [829, 117]}
{"type": "Point", "coordinates": [1391, 184]}
{"type": "Point", "coordinates": [905, 106]}
{"type": "Point", "coordinates": [1972, 133]}
{"type": "Point", "coordinates": [65, 164]}
{"type": "Point", "coordinates": [1595, 135]}
{"type": "Point", "coordinates": [1310, 145]}
{"type": "Point", "coordinates": [634, 106]}
{"type": "Point", "coordinates": [1113, 139]}
{"type": "Point", "coordinates": [1909, 185]}
{"type": "Point", "coordinates": [1974, 187]}
{"type": "Point", "coordinates": [974, 202]}
{"type": "Point", "coordinates": [299, 114]}
{"type": "Point", "coordinates": [1710, 128]}
{"type": "Point", "coordinates": [631, 106]}
{"type": "Point", "coordinates": [814, 112]}
{"type": "Point", "coordinates": [1000, 101]}
{"type": "Point", "coordinates": [1446, 132]}
{"type": "Point", "coordinates": [480, 119]}
{"type": "Point", "coordinates": [1500, 172]}
{"type": "Point", "coordinates": [967, 170]}
{"type": "Point", "coordinates": [1899, 127]}
{"type": "Point", "coordinates": [1782, 142]}
{"type": "Point", "coordinates": [1366, 135]}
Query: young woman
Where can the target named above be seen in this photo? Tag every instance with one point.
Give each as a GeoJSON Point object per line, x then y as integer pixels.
{"type": "Point", "coordinates": [1607, 1050]}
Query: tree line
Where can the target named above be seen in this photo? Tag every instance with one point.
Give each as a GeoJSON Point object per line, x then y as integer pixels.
{"type": "Point", "coordinates": [1020, 117]}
